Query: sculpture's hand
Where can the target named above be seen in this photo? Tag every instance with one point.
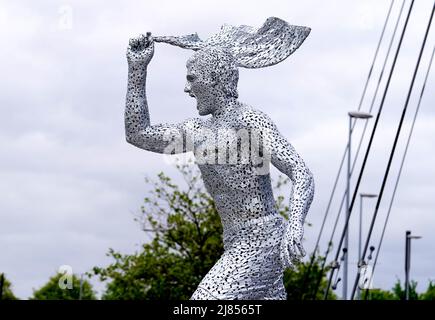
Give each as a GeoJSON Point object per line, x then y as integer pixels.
{"type": "Point", "coordinates": [292, 250]}
{"type": "Point", "coordinates": [140, 50]}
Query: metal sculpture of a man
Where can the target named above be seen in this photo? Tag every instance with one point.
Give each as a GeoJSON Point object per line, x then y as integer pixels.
{"type": "Point", "coordinates": [233, 149]}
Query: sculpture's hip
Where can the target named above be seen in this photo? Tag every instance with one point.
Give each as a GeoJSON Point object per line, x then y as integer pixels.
{"type": "Point", "coordinates": [250, 267]}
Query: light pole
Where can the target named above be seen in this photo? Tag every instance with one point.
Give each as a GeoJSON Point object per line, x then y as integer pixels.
{"type": "Point", "coordinates": [352, 115]}
{"type": "Point", "coordinates": [408, 260]}
{"type": "Point", "coordinates": [362, 196]}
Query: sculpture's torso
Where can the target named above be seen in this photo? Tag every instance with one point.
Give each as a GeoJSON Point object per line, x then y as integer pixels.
{"type": "Point", "coordinates": [250, 267]}
{"type": "Point", "coordinates": [240, 192]}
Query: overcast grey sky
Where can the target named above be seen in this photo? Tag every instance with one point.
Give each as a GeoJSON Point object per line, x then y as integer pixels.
{"type": "Point", "coordinates": [70, 184]}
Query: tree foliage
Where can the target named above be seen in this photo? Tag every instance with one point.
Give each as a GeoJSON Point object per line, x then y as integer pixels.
{"type": "Point", "coordinates": [430, 292]}
{"type": "Point", "coordinates": [7, 293]}
{"type": "Point", "coordinates": [53, 291]}
{"type": "Point", "coordinates": [398, 292]}
{"type": "Point", "coordinates": [378, 294]}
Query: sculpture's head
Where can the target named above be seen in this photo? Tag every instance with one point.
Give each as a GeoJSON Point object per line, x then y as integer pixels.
{"type": "Point", "coordinates": [212, 73]}
{"type": "Point", "coordinates": [212, 77]}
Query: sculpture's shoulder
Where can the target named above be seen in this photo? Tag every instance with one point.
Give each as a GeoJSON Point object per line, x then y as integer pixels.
{"type": "Point", "coordinates": [192, 125]}
{"type": "Point", "coordinates": [251, 117]}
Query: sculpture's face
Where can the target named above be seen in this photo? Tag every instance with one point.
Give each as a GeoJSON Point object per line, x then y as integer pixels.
{"type": "Point", "coordinates": [211, 79]}
{"type": "Point", "coordinates": [201, 85]}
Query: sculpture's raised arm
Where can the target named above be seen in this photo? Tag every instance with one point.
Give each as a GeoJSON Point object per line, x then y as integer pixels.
{"type": "Point", "coordinates": [161, 138]}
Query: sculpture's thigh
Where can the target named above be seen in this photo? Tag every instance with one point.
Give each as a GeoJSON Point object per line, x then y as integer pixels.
{"type": "Point", "coordinates": [245, 272]}
{"type": "Point", "coordinates": [213, 285]}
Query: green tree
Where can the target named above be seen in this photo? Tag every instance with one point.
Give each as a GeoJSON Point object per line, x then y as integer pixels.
{"type": "Point", "coordinates": [379, 294]}
{"type": "Point", "coordinates": [396, 293]}
{"type": "Point", "coordinates": [52, 290]}
{"type": "Point", "coordinates": [7, 293]}
{"type": "Point", "coordinates": [430, 292]}
{"type": "Point", "coordinates": [399, 292]}
{"type": "Point", "coordinates": [185, 242]}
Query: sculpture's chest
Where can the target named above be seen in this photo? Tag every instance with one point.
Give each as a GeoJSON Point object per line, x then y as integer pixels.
{"type": "Point", "coordinates": [219, 133]}
{"type": "Point", "coordinates": [221, 141]}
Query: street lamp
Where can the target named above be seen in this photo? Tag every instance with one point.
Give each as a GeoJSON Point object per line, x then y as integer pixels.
{"type": "Point", "coordinates": [352, 115]}
{"type": "Point", "coordinates": [362, 196]}
{"type": "Point", "coordinates": [408, 260]}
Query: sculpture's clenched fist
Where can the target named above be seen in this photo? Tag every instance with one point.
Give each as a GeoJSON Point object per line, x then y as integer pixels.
{"type": "Point", "coordinates": [140, 50]}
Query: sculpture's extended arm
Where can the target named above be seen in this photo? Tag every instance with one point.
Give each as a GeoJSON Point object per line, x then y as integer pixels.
{"type": "Point", "coordinates": [285, 158]}
{"type": "Point", "coordinates": [161, 138]}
